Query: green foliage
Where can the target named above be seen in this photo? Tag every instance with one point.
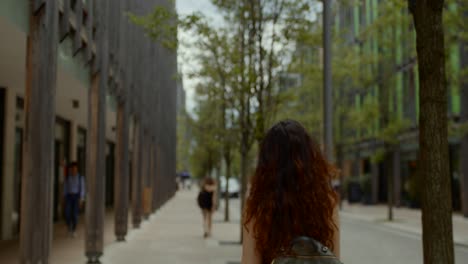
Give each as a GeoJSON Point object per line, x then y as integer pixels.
{"type": "Point", "coordinates": [160, 25]}
{"type": "Point", "coordinates": [395, 127]}
{"type": "Point", "coordinates": [378, 156]}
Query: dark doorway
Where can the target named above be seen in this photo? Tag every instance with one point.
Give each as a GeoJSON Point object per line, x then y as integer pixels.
{"type": "Point", "coordinates": [81, 151]}
{"type": "Point", "coordinates": [57, 162]}
{"type": "Point", "coordinates": [454, 152]}
{"type": "Point", "coordinates": [383, 190]}
{"type": "Point", "coordinates": [367, 165]}
{"type": "Point", "coordinates": [2, 135]}
{"type": "Point", "coordinates": [110, 164]}
{"type": "Point", "coordinates": [61, 159]}
{"type": "Point", "coordinates": [18, 174]}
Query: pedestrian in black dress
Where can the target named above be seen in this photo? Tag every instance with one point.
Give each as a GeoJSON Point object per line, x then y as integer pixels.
{"type": "Point", "coordinates": [207, 203]}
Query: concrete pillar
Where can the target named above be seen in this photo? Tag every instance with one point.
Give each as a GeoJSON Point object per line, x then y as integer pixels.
{"type": "Point", "coordinates": [37, 180]}
{"type": "Point", "coordinates": [153, 176]}
{"type": "Point", "coordinates": [146, 183]}
{"type": "Point", "coordinates": [121, 172]}
{"type": "Point", "coordinates": [9, 189]}
{"type": "Point", "coordinates": [95, 168]}
{"type": "Point", "coordinates": [137, 207]}
{"type": "Point", "coordinates": [96, 138]}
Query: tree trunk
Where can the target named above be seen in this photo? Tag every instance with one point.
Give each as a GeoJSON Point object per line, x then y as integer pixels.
{"type": "Point", "coordinates": [226, 194]}
{"type": "Point", "coordinates": [244, 158]}
{"type": "Point", "coordinates": [434, 157]}
{"type": "Point", "coordinates": [464, 140]}
{"type": "Point", "coordinates": [218, 183]}
{"type": "Point", "coordinates": [396, 163]}
{"type": "Point", "coordinates": [375, 172]}
{"type": "Point", "coordinates": [340, 163]}
{"type": "Point", "coordinates": [390, 192]}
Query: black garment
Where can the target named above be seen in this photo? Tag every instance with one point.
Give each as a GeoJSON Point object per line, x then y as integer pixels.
{"type": "Point", "coordinates": [205, 200]}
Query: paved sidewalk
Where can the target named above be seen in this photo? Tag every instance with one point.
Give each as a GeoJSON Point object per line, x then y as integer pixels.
{"type": "Point", "coordinates": [407, 220]}
{"type": "Point", "coordinates": [175, 235]}
{"type": "Point", "coordinates": [64, 248]}
{"type": "Point", "coordinates": [172, 235]}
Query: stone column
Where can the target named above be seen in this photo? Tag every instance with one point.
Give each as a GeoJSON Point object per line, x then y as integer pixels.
{"type": "Point", "coordinates": [154, 183]}
{"type": "Point", "coordinates": [121, 172]}
{"type": "Point", "coordinates": [136, 177]}
{"type": "Point", "coordinates": [37, 182]}
{"type": "Point", "coordinates": [96, 139]}
{"type": "Point", "coordinates": [145, 175]}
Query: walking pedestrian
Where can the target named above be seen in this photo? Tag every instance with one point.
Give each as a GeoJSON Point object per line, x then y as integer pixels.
{"type": "Point", "coordinates": [290, 213]}
{"type": "Point", "coordinates": [207, 203]}
{"type": "Point", "coordinates": [74, 194]}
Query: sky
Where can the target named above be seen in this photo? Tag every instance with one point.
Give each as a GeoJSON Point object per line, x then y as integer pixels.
{"type": "Point", "coordinates": [185, 7]}
{"type": "Point", "coordinates": [186, 65]}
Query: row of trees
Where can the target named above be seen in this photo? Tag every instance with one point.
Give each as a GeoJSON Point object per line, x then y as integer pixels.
{"type": "Point", "coordinates": [239, 62]}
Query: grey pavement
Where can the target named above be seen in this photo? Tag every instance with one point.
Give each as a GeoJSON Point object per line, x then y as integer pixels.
{"type": "Point", "coordinates": [173, 235]}
{"type": "Point", "coordinates": [405, 219]}
{"type": "Point", "coordinates": [373, 242]}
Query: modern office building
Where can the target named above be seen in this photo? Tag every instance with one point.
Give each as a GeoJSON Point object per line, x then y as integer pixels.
{"type": "Point", "coordinates": [78, 82]}
{"type": "Point", "coordinates": [394, 46]}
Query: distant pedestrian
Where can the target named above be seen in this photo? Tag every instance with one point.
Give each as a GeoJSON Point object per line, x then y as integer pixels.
{"type": "Point", "coordinates": [74, 194]}
{"type": "Point", "coordinates": [290, 214]}
{"type": "Point", "coordinates": [207, 203]}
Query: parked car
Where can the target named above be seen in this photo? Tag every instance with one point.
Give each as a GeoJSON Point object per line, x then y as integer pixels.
{"type": "Point", "coordinates": [234, 187]}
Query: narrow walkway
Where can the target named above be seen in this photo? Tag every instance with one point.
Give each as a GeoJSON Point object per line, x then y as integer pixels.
{"type": "Point", "coordinates": [174, 235]}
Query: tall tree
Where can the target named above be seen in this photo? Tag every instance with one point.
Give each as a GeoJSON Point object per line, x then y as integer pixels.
{"type": "Point", "coordinates": [434, 158]}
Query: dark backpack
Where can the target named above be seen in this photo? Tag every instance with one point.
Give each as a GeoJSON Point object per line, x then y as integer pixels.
{"type": "Point", "coordinates": [305, 250]}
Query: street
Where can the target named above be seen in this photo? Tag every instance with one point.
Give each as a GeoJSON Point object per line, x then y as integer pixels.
{"type": "Point", "coordinates": [363, 242]}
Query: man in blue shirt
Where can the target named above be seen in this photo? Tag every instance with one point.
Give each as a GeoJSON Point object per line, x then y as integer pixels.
{"type": "Point", "coordinates": [74, 192]}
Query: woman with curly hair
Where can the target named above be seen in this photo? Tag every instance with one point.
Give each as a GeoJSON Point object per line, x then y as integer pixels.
{"type": "Point", "coordinates": [290, 196]}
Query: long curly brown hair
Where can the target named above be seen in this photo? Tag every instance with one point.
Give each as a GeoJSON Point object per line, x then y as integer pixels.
{"type": "Point", "coordinates": [291, 193]}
